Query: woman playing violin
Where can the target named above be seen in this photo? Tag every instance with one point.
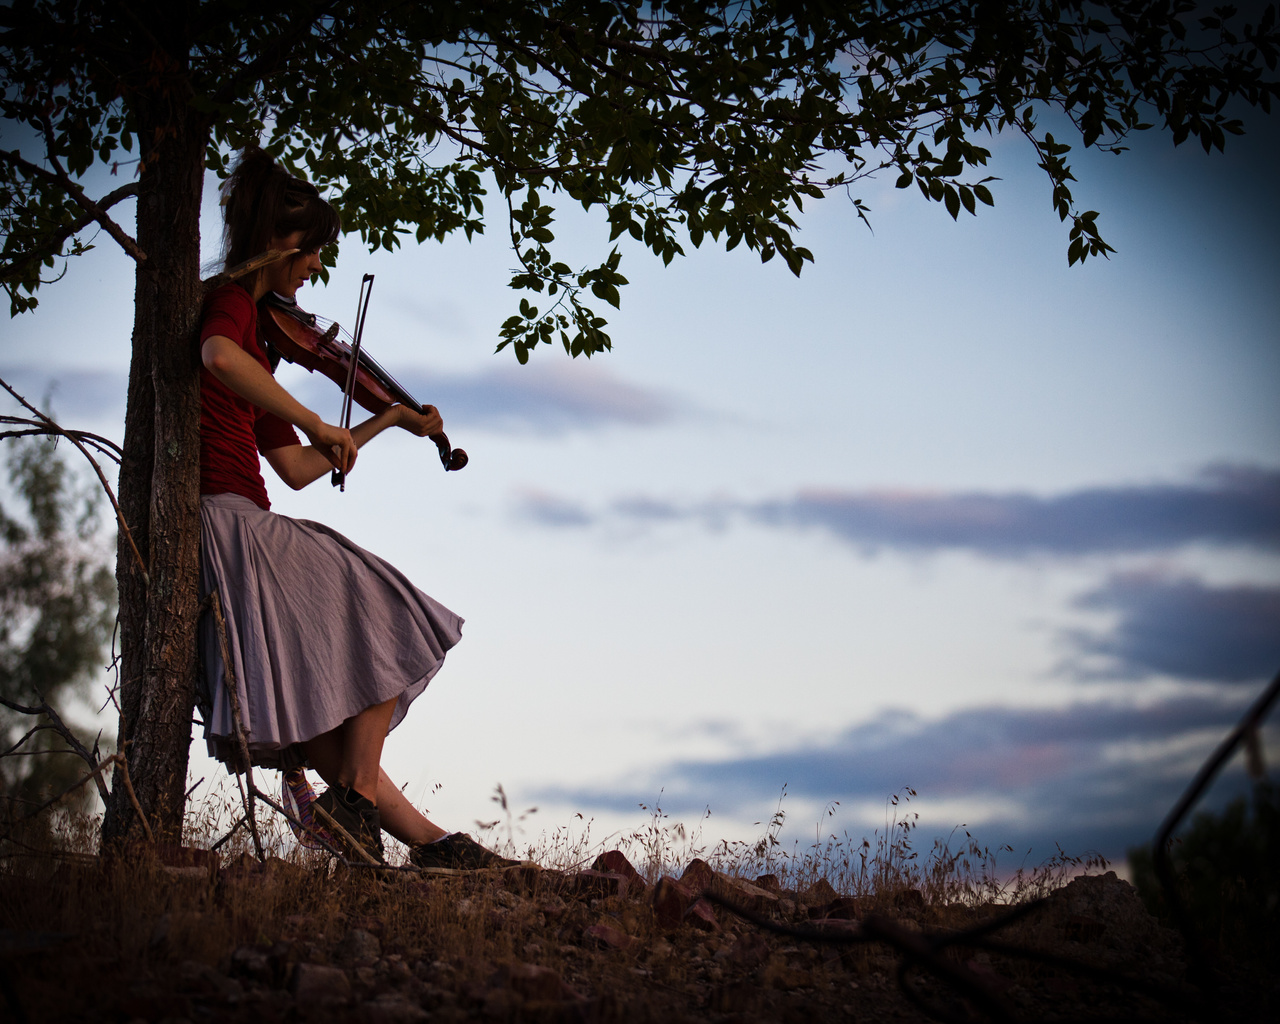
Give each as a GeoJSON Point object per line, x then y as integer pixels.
{"type": "Point", "coordinates": [329, 644]}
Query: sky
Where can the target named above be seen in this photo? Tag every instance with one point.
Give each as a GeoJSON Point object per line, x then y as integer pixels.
{"type": "Point", "coordinates": [942, 513]}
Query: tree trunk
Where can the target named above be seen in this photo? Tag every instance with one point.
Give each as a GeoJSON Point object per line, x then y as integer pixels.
{"type": "Point", "coordinates": [160, 479]}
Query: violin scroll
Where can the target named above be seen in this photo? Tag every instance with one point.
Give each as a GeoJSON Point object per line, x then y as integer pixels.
{"type": "Point", "coordinates": [450, 458]}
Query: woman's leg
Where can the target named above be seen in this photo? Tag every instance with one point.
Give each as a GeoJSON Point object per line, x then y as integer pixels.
{"type": "Point", "coordinates": [350, 755]}
{"type": "Point", "coordinates": [402, 819]}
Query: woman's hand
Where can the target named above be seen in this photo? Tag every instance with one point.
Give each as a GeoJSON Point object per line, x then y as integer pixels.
{"type": "Point", "coordinates": [423, 424]}
{"type": "Point", "coordinates": [334, 443]}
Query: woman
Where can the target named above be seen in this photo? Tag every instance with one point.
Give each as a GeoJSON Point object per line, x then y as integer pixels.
{"type": "Point", "coordinates": [329, 644]}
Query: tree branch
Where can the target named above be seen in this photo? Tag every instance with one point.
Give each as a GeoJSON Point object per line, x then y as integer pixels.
{"type": "Point", "coordinates": [79, 224]}
{"type": "Point", "coordinates": [36, 428]}
{"type": "Point", "coordinates": [247, 267]}
{"type": "Point", "coordinates": [60, 727]}
{"type": "Point", "coordinates": [76, 193]}
{"type": "Point", "coordinates": [269, 60]}
{"type": "Point", "coordinates": [55, 428]}
{"type": "Point", "coordinates": [121, 762]}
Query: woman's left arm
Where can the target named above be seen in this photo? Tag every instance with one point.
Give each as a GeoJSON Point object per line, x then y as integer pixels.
{"type": "Point", "coordinates": [299, 465]}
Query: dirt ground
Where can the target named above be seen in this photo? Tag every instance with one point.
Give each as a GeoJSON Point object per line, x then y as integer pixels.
{"type": "Point", "coordinates": [181, 937]}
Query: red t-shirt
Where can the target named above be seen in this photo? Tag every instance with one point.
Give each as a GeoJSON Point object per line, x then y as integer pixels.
{"type": "Point", "coordinates": [233, 430]}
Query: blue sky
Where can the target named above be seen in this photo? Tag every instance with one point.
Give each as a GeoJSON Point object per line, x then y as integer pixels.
{"type": "Point", "coordinates": [942, 513]}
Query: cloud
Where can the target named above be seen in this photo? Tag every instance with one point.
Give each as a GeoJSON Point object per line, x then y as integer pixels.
{"type": "Point", "coordinates": [1230, 505]}
{"type": "Point", "coordinates": [546, 398]}
{"type": "Point", "coordinates": [542, 398]}
{"type": "Point", "coordinates": [1227, 505]}
{"type": "Point", "coordinates": [548, 510]}
{"type": "Point", "coordinates": [1183, 628]}
{"type": "Point", "coordinates": [1089, 776]}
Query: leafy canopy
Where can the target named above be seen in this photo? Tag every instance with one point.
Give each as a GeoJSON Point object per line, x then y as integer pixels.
{"type": "Point", "coordinates": [680, 120]}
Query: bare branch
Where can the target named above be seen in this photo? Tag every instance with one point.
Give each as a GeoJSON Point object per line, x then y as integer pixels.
{"type": "Point", "coordinates": [115, 759]}
{"type": "Point", "coordinates": [55, 428]}
{"type": "Point", "coordinates": [35, 428]}
{"type": "Point", "coordinates": [60, 727]}
{"type": "Point", "coordinates": [247, 267]}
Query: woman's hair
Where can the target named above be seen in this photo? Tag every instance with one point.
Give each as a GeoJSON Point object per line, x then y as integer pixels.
{"type": "Point", "coordinates": [261, 201]}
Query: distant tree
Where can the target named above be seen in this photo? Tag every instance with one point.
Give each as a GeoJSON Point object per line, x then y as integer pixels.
{"type": "Point", "coordinates": [1227, 869]}
{"type": "Point", "coordinates": [57, 607]}
{"type": "Point", "coordinates": [681, 120]}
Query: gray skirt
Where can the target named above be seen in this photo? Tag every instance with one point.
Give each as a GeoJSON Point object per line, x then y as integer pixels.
{"type": "Point", "coordinates": [318, 629]}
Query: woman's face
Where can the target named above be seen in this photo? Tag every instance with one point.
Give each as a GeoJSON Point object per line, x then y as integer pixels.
{"type": "Point", "coordinates": [288, 275]}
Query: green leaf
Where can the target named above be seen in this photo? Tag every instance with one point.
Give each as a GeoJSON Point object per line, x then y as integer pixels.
{"type": "Point", "coordinates": [952, 201]}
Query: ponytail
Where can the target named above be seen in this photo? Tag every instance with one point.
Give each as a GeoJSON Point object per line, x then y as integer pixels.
{"type": "Point", "coordinates": [262, 200]}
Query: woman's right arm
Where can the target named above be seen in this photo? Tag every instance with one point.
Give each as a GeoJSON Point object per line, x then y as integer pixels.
{"type": "Point", "coordinates": [244, 375]}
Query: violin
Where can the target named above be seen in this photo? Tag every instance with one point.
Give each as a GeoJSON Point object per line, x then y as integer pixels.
{"type": "Point", "coordinates": [296, 336]}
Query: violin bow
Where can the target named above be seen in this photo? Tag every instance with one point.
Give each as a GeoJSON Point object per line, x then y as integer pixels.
{"type": "Point", "coordinates": [338, 478]}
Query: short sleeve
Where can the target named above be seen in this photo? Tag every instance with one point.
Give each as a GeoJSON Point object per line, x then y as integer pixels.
{"type": "Point", "coordinates": [230, 313]}
{"type": "Point", "coordinates": [271, 431]}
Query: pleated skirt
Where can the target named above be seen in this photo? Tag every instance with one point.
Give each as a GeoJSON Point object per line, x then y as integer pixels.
{"type": "Point", "coordinates": [318, 629]}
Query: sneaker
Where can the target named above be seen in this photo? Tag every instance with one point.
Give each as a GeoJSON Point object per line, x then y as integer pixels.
{"type": "Point", "coordinates": [297, 796]}
{"type": "Point", "coordinates": [353, 819]}
{"type": "Point", "coordinates": [457, 852]}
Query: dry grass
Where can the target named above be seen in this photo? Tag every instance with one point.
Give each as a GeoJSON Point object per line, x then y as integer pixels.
{"type": "Point", "coordinates": [145, 938]}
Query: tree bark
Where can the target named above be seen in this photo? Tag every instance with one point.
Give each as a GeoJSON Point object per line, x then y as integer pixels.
{"type": "Point", "coordinates": [160, 477]}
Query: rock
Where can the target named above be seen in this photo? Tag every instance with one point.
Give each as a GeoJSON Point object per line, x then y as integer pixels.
{"type": "Point", "coordinates": [391, 1008]}
{"type": "Point", "coordinates": [523, 878]}
{"type": "Point", "coordinates": [698, 876]}
{"type": "Point", "coordinates": [592, 884]}
{"type": "Point", "coordinates": [615, 862]}
{"type": "Point", "coordinates": [702, 917]}
{"type": "Point", "coordinates": [779, 974]}
{"type": "Point", "coordinates": [1104, 910]}
{"type": "Point", "coordinates": [769, 883]}
{"type": "Point", "coordinates": [751, 949]}
{"type": "Point", "coordinates": [201, 979]}
{"type": "Point", "coordinates": [533, 982]}
{"type": "Point", "coordinates": [909, 899]}
{"type": "Point", "coordinates": [250, 962]}
{"type": "Point", "coordinates": [739, 893]}
{"type": "Point", "coordinates": [607, 935]}
{"type": "Point", "coordinates": [315, 985]}
{"type": "Point", "coordinates": [845, 908]}
{"type": "Point", "coordinates": [358, 944]}
{"type": "Point", "coordinates": [671, 901]}
{"type": "Point", "coordinates": [820, 892]}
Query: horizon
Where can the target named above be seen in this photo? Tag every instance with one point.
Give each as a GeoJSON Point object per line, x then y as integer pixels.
{"type": "Point", "coordinates": [941, 507]}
